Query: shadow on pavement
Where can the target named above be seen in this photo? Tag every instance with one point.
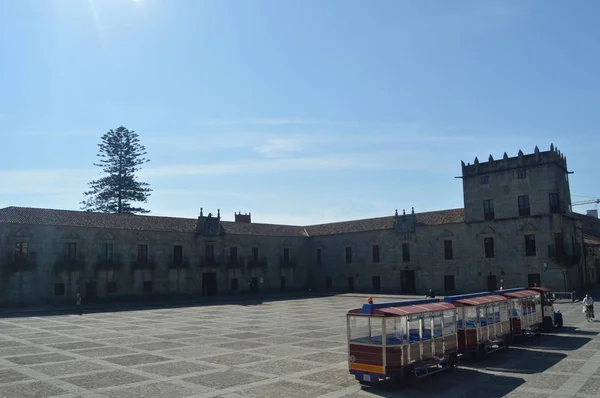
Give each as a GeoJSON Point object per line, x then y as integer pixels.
{"type": "Point", "coordinates": [136, 304]}
{"type": "Point", "coordinates": [559, 342]}
{"type": "Point", "coordinates": [518, 360]}
{"type": "Point", "coordinates": [451, 383]}
{"type": "Point", "coordinates": [573, 330]}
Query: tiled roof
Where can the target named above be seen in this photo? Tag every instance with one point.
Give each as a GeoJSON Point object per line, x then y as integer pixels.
{"type": "Point", "coordinates": [590, 225]}
{"type": "Point", "coordinates": [85, 219]}
{"type": "Point", "coordinates": [69, 218]}
{"type": "Point", "coordinates": [440, 217]}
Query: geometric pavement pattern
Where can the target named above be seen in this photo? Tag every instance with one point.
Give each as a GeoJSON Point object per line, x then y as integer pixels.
{"type": "Point", "coordinates": [287, 348]}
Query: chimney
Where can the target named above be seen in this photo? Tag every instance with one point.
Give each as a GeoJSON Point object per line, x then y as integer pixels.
{"type": "Point", "coordinates": [243, 217]}
{"type": "Point", "coordinates": [593, 213]}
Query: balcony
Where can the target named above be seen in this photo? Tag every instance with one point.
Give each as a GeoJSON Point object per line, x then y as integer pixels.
{"type": "Point", "coordinates": [107, 264]}
{"type": "Point", "coordinates": [234, 262]}
{"type": "Point", "coordinates": [524, 211]}
{"type": "Point", "coordinates": [180, 263]}
{"type": "Point", "coordinates": [143, 263]}
{"type": "Point", "coordinates": [69, 264]}
{"type": "Point", "coordinates": [14, 264]}
{"type": "Point", "coordinates": [287, 263]}
{"type": "Point", "coordinates": [210, 262]}
{"type": "Point", "coordinates": [565, 256]}
{"type": "Point", "coordinates": [558, 208]}
{"type": "Point", "coordinates": [259, 262]}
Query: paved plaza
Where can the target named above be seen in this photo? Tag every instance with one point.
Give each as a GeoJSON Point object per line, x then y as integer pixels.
{"type": "Point", "coordinates": [287, 348]}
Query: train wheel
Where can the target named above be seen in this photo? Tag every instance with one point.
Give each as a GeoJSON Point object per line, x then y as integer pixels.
{"type": "Point", "coordinates": [409, 377]}
{"type": "Point", "coordinates": [452, 363]}
{"type": "Point", "coordinates": [507, 340]}
{"type": "Point", "coordinates": [481, 353]}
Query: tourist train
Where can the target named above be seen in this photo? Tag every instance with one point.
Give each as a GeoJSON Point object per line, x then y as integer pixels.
{"type": "Point", "coordinates": [412, 339]}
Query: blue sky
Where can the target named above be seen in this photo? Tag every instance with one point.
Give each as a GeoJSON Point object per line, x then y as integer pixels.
{"type": "Point", "coordinates": [300, 112]}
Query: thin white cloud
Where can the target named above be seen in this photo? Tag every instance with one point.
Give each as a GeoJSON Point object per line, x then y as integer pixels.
{"type": "Point", "coordinates": [279, 147]}
{"type": "Point", "coordinates": [268, 143]}
{"type": "Point", "coordinates": [72, 133]}
{"type": "Point", "coordinates": [281, 121]}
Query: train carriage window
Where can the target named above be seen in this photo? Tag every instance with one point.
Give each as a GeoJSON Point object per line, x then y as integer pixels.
{"type": "Point", "coordinates": [395, 329]}
{"type": "Point", "coordinates": [538, 300]}
{"type": "Point", "coordinates": [427, 332]}
{"type": "Point", "coordinates": [516, 307]}
{"type": "Point", "coordinates": [460, 316]}
{"type": "Point", "coordinates": [525, 307]}
{"type": "Point", "coordinates": [504, 311]}
{"type": "Point", "coordinates": [414, 329]}
{"type": "Point", "coordinates": [470, 317]}
{"type": "Point", "coordinates": [497, 316]}
{"type": "Point", "coordinates": [449, 323]}
{"type": "Point", "coordinates": [490, 314]}
{"type": "Point", "coordinates": [437, 325]}
{"type": "Point", "coordinates": [365, 329]}
{"type": "Point", "coordinates": [482, 314]}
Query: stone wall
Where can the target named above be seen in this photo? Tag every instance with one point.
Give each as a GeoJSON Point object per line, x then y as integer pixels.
{"type": "Point", "coordinates": [469, 265]}
{"type": "Point", "coordinates": [37, 278]}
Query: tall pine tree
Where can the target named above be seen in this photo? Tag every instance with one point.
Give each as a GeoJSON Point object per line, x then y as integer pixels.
{"type": "Point", "coordinates": [121, 155]}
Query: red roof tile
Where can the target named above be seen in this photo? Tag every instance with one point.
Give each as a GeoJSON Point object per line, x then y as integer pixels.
{"type": "Point", "coordinates": [83, 219]}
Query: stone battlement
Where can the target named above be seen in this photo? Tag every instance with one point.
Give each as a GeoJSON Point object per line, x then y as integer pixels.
{"type": "Point", "coordinates": [537, 158]}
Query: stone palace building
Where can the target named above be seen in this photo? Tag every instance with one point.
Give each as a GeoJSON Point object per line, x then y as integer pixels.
{"type": "Point", "coordinates": [516, 228]}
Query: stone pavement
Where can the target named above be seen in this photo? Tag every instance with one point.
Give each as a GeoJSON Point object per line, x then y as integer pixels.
{"type": "Point", "coordinates": [287, 348]}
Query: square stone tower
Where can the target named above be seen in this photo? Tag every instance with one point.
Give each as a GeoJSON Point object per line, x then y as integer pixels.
{"type": "Point", "coordinates": [525, 185]}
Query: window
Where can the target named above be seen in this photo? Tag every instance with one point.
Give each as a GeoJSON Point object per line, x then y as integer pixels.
{"type": "Point", "coordinates": [209, 253]}
{"type": "Point", "coordinates": [107, 251]}
{"type": "Point", "coordinates": [376, 283]}
{"type": "Point", "coordinates": [255, 254]}
{"type": "Point", "coordinates": [148, 286]}
{"type": "Point", "coordinates": [449, 283]}
{"type": "Point", "coordinates": [348, 255]}
{"type": "Point", "coordinates": [286, 254]}
{"type": "Point", "coordinates": [375, 253]}
{"type": "Point", "coordinates": [319, 259]}
{"type": "Point", "coordinates": [111, 287]}
{"type": "Point", "coordinates": [488, 209]}
{"type": "Point", "coordinates": [530, 249]}
{"type": "Point", "coordinates": [485, 180]}
{"type": "Point", "coordinates": [405, 252]}
{"type": "Point", "coordinates": [559, 244]}
{"type": "Point", "coordinates": [554, 199]}
{"type": "Point", "coordinates": [142, 253]}
{"type": "Point", "coordinates": [70, 250]}
{"type": "Point", "coordinates": [521, 174]}
{"type": "Point", "coordinates": [524, 208]}
{"type": "Point", "coordinates": [488, 244]}
{"type": "Point", "coordinates": [448, 253]}
{"type": "Point", "coordinates": [449, 323]}
{"type": "Point", "coordinates": [234, 285]}
{"type": "Point", "coordinates": [328, 282]}
{"type": "Point", "coordinates": [59, 289]}
{"type": "Point", "coordinates": [177, 254]}
{"type": "Point", "coordinates": [233, 255]}
{"type": "Point", "coordinates": [21, 250]}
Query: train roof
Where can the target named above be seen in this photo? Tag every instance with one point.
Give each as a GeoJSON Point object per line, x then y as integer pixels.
{"type": "Point", "coordinates": [540, 289]}
{"type": "Point", "coordinates": [474, 298]}
{"type": "Point", "coordinates": [402, 307]}
{"type": "Point", "coordinates": [516, 293]}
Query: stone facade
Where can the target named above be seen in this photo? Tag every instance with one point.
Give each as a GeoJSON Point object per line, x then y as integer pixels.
{"type": "Point", "coordinates": [516, 228]}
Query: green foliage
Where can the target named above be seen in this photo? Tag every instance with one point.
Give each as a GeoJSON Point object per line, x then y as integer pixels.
{"type": "Point", "coordinates": [121, 156]}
